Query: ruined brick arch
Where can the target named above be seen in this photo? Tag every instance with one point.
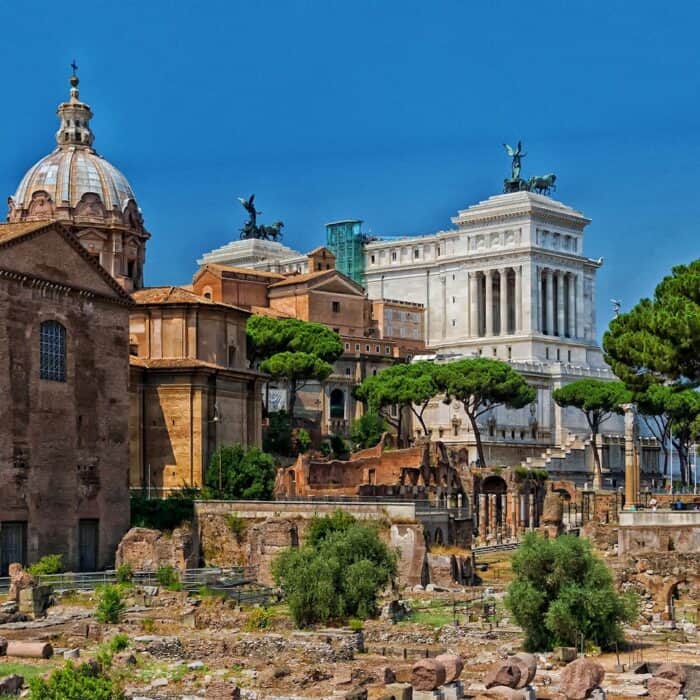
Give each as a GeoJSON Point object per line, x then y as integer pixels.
{"type": "Point", "coordinates": [566, 489]}
{"type": "Point", "coordinates": [664, 597]}
{"type": "Point", "coordinates": [494, 484]}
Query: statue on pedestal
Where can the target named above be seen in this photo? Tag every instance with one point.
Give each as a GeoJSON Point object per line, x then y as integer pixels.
{"type": "Point", "coordinates": [252, 230]}
{"type": "Point", "coordinates": [540, 184]}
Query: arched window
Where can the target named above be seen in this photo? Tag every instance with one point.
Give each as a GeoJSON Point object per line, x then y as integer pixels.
{"type": "Point", "coordinates": [53, 351]}
{"type": "Point", "coordinates": [337, 403]}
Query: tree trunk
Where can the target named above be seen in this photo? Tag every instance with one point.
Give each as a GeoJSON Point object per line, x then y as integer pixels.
{"type": "Point", "coordinates": [477, 437]}
{"type": "Point", "coordinates": [419, 416]}
{"type": "Point", "coordinates": [292, 397]}
{"type": "Point", "coordinates": [597, 467]}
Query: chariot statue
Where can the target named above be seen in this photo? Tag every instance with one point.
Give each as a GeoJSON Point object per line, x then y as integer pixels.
{"type": "Point", "coordinates": [540, 184]}
{"type": "Point", "coordinates": [251, 229]}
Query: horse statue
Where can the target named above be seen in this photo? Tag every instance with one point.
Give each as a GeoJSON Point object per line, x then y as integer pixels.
{"type": "Point", "coordinates": [542, 184]}
{"type": "Point", "coordinates": [272, 233]}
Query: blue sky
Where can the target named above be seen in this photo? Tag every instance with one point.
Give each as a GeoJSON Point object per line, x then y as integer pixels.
{"type": "Point", "coordinates": [393, 112]}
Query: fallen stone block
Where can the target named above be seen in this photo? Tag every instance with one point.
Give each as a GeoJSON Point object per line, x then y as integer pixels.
{"type": "Point", "coordinates": [663, 688]}
{"type": "Point", "coordinates": [398, 691]}
{"type": "Point", "coordinates": [672, 671]}
{"type": "Point", "coordinates": [565, 654]}
{"type": "Point", "coordinates": [527, 665]}
{"type": "Point", "coordinates": [453, 666]}
{"type": "Point", "coordinates": [427, 674]}
{"type": "Point", "coordinates": [580, 678]}
{"type": "Point", "coordinates": [502, 673]}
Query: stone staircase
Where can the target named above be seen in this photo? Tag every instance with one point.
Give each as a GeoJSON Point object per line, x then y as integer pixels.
{"type": "Point", "coordinates": [570, 457]}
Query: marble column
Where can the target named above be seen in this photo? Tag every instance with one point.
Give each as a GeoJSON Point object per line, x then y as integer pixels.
{"type": "Point", "coordinates": [572, 305]}
{"type": "Point", "coordinates": [488, 276]}
{"type": "Point", "coordinates": [482, 521]}
{"type": "Point", "coordinates": [473, 306]}
{"type": "Point", "coordinates": [561, 300]}
{"type": "Point", "coordinates": [518, 299]}
{"type": "Point", "coordinates": [539, 301]}
{"type": "Point", "coordinates": [531, 499]}
{"type": "Point", "coordinates": [548, 327]}
{"type": "Point", "coordinates": [579, 305]}
{"type": "Point", "coordinates": [503, 277]}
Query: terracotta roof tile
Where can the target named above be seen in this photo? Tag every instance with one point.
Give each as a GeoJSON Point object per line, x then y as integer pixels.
{"type": "Point", "coordinates": [214, 267]}
{"type": "Point", "coordinates": [9, 232]}
{"type": "Point", "coordinates": [176, 295]}
{"type": "Point", "coordinates": [300, 279]}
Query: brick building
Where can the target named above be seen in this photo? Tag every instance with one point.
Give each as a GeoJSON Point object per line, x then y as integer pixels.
{"type": "Point", "coordinates": [63, 414]}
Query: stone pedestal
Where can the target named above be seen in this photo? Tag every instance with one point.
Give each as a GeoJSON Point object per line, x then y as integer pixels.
{"type": "Point", "coordinates": [33, 601]}
{"type": "Point", "coordinates": [453, 690]}
{"type": "Point", "coordinates": [398, 691]}
{"type": "Point", "coordinates": [428, 694]}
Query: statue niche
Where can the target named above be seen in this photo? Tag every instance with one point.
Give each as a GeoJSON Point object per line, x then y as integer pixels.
{"type": "Point", "coordinates": [90, 207]}
{"type": "Point", "coordinates": [41, 206]}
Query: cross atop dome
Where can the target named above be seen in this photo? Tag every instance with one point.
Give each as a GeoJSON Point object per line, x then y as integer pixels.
{"type": "Point", "coordinates": [75, 117]}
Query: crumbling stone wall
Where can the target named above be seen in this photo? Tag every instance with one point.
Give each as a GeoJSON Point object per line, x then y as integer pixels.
{"type": "Point", "coordinates": [147, 550]}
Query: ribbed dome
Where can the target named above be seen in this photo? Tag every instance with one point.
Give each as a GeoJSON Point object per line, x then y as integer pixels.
{"type": "Point", "coordinates": [79, 188]}
{"type": "Point", "coordinates": [70, 172]}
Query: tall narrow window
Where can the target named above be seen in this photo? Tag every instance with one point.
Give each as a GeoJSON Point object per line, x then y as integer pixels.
{"type": "Point", "coordinates": [53, 351]}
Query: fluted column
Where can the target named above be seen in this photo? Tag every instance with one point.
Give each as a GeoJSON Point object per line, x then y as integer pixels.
{"type": "Point", "coordinates": [518, 299]}
{"type": "Point", "coordinates": [561, 315]}
{"type": "Point", "coordinates": [473, 306]}
{"type": "Point", "coordinates": [549, 280]}
{"type": "Point", "coordinates": [539, 302]}
{"type": "Point", "coordinates": [488, 275]}
{"type": "Point", "coordinates": [572, 305]}
{"type": "Point", "coordinates": [503, 276]}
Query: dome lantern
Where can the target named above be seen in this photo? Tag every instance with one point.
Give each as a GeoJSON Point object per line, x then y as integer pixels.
{"type": "Point", "coordinates": [75, 118]}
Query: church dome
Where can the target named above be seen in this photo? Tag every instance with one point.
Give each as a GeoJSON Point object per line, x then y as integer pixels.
{"type": "Point", "coordinates": [71, 172]}
{"type": "Point", "coordinates": [79, 188]}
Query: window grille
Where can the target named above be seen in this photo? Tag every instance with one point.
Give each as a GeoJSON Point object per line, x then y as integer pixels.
{"type": "Point", "coordinates": [53, 351]}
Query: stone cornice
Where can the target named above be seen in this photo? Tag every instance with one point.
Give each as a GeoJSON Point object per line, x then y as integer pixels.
{"type": "Point", "coordinates": [35, 282]}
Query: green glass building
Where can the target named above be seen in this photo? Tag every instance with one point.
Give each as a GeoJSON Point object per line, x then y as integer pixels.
{"type": "Point", "coordinates": [346, 241]}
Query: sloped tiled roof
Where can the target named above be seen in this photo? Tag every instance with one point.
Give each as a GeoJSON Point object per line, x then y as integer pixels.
{"type": "Point", "coordinates": [176, 295]}
{"type": "Point", "coordinates": [220, 269]}
{"type": "Point", "coordinates": [9, 232]}
{"type": "Point", "coordinates": [307, 277]}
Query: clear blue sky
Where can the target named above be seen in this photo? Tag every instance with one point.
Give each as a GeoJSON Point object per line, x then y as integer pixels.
{"type": "Point", "coordinates": [389, 111]}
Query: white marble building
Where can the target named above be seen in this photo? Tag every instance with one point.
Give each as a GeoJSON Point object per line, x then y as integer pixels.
{"type": "Point", "coordinates": [258, 254]}
{"type": "Point", "coordinates": [509, 281]}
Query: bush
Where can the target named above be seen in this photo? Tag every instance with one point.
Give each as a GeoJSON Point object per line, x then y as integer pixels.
{"type": "Point", "coordinates": [337, 574]}
{"type": "Point", "coordinates": [247, 473]}
{"type": "Point", "coordinates": [237, 525]}
{"type": "Point", "coordinates": [74, 683]}
{"type": "Point", "coordinates": [118, 643]}
{"type": "Point", "coordinates": [168, 577]}
{"type": "Point", "coordinates": [110, 606]}
{"type": "Point", "coordinates": [339, 447]}
{"type": "Point", "coordinates": [148, 624]}
{"type": "Point", "coordinates": [47, 565]}
{"type": "Point", "coordinates": [303, 440]}
{"type": "Point", "coordinates": [258, 619]}
{"type": "Point", "coordinates": [561, 591]}
{"type": "Point", "coordinates": [163, 513]}
{"type": "Point", "coordinates": [367, 431]}
{"type": "Point", "coordinates": [124, 573]}
{"type": "Point", "coordinates": [278, 435]}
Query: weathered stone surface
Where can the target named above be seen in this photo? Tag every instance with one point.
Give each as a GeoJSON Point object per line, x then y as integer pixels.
{"type": "Point", "coordinates": [147, 550]}
{"type": "Point", "coordinates": [565, 654]}
{"type": "Point", "coordinates": [19, 580]}
{"type": "Point", "coordinates": [34, 600]}
{"type": "Point", "coordinates": [11, 685]}
{"type": "Point", "coordinates": [501, 692]}
{"type": "Point", "coordinates": [552, 509]}
{"type": "Point", "coordinates": [427, 674]}
{"type": "Point", "coordinates": [580, 678]}
{"type": "Point", "coordinates": [453, 666]}
{"type": "Point", "coordinates": [672, 671]}
{"type": "Point", "coordinates": [397, 691]}
{"type": "Point", "coordinates": [663, 688]}
{"type": "Point", "coordinates": [502, 673]}
{"type": "Point", "coordinates": [30, 650]}
{"type": "Point", "coordinates": [527, 664]}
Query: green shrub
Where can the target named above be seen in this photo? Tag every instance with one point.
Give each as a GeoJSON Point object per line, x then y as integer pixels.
{"type": "Point", "coordinates": [237, 525]}
{"type": "Point", "coordinates": [236, 471]}
{"type": "Point", "coordinates": [47, 565]}
{"type": "Point", "coordinates": [124, 573]}
{"type": "Point", "coordinates": [338, 573]}
{"type": "Point", "coordinates": [303, 440]}
{"type": "Point", "coordinates": [367, 430]}
{"type": "Point", "coordinates": [277, 438]}
{"type": "Point", "coordinates": [118, 643]}
{"type": "Point", "coordinates": [258, 619]}
{"type": "Point", "coordinates": [110, 606]}
{"type": "Point", "coordinates": [562, 590]}
{"type": "Point", "coordinates": [207, 592]}
{"type": "Point", "coordinates": [339, 446]}
{"type": "Point", "coordinates": [163, 513]}
{"type": "Point", "coordinates": [74, 683]}
{"type": "Point", "coordinates": [168, 577]}
{"type": "Point", "coordinates": [355, 625]}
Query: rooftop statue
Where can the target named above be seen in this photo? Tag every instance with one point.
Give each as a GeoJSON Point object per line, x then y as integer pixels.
{"type": "Point", "coordinates": [252, 230]}
{"type": "Point", "coordinates": [540, 184]}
